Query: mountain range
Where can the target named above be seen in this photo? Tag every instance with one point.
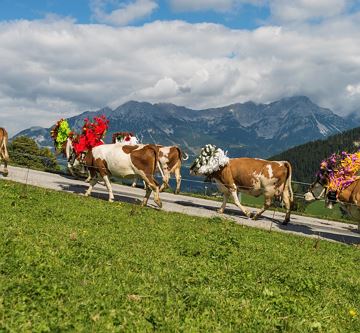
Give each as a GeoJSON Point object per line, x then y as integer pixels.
{"type": "Point", "coordinates": [243, 129]}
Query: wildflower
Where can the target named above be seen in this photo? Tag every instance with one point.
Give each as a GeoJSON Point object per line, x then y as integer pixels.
{"type": "Point", "coordinates": [352, 313]}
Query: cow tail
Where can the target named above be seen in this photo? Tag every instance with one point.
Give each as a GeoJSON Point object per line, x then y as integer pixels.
{"type": "Point", "coordinates": [160, 169]}
{"type": "Point", "coordinates": [184, 156]}
{"type": "Point", "coordinates": [157, 163]}
{"type": "Point", "coordinates": [288, 181]}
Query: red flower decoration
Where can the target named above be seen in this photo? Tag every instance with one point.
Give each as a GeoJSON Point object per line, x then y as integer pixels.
{"type": "Point", "coordinates": [92, 135]}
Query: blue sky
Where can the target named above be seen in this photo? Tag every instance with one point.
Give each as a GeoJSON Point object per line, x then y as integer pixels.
{"type": "Point", "coordinates": [59, 58]}
{"type": "Point", "coordinates": [246, 16]}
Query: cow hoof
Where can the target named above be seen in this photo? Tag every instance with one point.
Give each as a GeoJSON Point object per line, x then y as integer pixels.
{"type": "Point", "coordinates": [177, 191]}
{"type": "Point", "coordinates": [254, 217]}
{"type": "Point", "coordinates": [220, 211]}
{"type": "Point", "coordinates": [285, 222]}
{"type": "Point", "coordinates": [5, 173]}
{"type": "Point", "coordinates": [248, 214]}
{"type": "Point", "coordinates": [111, 200]}
{"type": "Point", "coordinates": [159, 203]}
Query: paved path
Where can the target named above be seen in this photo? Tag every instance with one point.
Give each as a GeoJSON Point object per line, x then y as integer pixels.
{"type": "Point", "coordinates": [300, 225]}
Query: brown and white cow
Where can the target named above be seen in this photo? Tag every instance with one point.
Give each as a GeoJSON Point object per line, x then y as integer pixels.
{"type": "Point", "coordinates": [255, 177]}
{"type": "Point", "coordinates": [348, 198]}
{"type": "Point", "coordinates": [170, 158]}
{"type": "Point", "coordinates": [124, 161]}
{"type": "Point", "coordinates": [4, 155]}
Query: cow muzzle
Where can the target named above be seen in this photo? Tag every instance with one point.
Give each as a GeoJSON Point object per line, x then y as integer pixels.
{"type": "Point", "coordinates": [308, 196]}
{"type": "Point", "coordinates": [331, 200]}
{"type": "Point", "coordinates": [193, 172]}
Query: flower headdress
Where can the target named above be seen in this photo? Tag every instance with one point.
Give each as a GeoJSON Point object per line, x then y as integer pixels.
{"type": "Point", "coordinates": [125, 137]}
{"type": "Point", "coordinates": [211, 159]}
{"type": "Point", "coordinates": [60, 133]}
{"type": "Point", "coordinates": [340, 169]}
{"type": "Point", "coordinates": [92, 134]}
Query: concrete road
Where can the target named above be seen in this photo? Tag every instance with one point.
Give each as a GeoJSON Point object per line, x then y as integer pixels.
{"type": "Point", "coordinates": [300, 225]}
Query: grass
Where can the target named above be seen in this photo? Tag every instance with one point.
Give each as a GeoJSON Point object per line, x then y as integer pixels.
{"type": "Point", "coordinates": [70, 263]}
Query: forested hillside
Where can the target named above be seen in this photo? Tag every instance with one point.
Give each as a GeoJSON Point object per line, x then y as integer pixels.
{"type": "Point", "coordinates": [306, 158]}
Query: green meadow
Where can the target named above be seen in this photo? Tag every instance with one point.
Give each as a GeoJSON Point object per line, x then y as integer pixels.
{"type": "Point", "coordinates": [75, 264]}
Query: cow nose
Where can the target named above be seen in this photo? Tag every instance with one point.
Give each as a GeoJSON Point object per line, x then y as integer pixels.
{"type": "Point", "coordinates": [308, 196]}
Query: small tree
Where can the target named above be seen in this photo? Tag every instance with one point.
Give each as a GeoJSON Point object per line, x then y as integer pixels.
{"type": "Point", "coordinates": [25, 151]}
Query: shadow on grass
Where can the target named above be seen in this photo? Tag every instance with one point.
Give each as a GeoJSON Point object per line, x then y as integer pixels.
{"type": "Point", "coordinates": [81, 189]}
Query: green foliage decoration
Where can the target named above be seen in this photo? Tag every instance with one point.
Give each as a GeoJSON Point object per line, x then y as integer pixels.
{"type": "Point", "coordinates": [60, 133]}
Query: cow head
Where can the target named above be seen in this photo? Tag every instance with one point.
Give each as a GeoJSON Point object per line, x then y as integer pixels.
{"type": "Point", "coordinates": [318, 189]}
{"type": "Point", "coordinates": [210, 160]}
{"type": "Point", "coordinates": [194, 168]}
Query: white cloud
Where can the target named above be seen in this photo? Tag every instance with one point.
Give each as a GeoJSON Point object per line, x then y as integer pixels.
{"type": "Point", "coordinates": [59, 68]}
{"type": "Point", "coordinates": [302, 10]}
{"type": "Point", "coordinates": [122, 14]}
{"type": "Point", "coordinates": [289, 11]}
{"type": "Point", "coordinates": [216, 5]}
{"type": "Point", "coordinates": [353, 90]}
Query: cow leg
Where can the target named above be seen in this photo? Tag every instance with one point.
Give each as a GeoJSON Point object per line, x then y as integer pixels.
{"type": "Point", "coordinates": [148, 191]}
{"type": "Point", "coordinates": [5, 157]}
{"type": "Point", "coordinates": [88, 177]}
{"type": "Point", "coordinates": [237, 203]}
{"type": "Point", "coordinates": [134, 182]}
{"type": "Point", "coordinates": [225, 199]}
{"type": "Point", "coordinates": [166, 177]}
{"type": "Point", "coordinates": [70, 168]}
{"type": "Point", "coordinates": [152, 186]}
{"type": "Point", "coordinates": [6, 171]}
{"type": "Point", "coordinates": [287, 202]}
{"type": "Point", "coordinates": [109, 188]}
{"type": "Point", "coordinates": [92, 183]}
{"type": "Point", "coordinates": [178, 180]}
{"type": "Point", "coordinates": [267, 204]}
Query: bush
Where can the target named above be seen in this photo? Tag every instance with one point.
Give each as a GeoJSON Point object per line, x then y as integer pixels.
{"type": "Point", "coordinates": [24, 151]}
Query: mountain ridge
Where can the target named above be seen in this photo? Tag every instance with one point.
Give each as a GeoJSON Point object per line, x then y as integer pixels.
{"type": "Point", "coordinates": [244, 129]}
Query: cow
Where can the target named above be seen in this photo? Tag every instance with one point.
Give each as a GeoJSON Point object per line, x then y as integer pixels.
{"type": "Point", "coordinates": [170, 158]}
{"type": "Point", "coordinates": [75, 169]}
{"type": "Point", "coordinates": [348, 198]}
{"type": "Point", "coordinates": [4, 155]}
{"type": "Point", "coordinates": [127, 138]}
{"type": "Point", "coordinates": [255, 177]}
{"type": "Point", "coordinates": [123, 161]}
